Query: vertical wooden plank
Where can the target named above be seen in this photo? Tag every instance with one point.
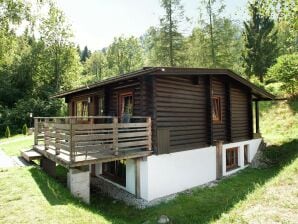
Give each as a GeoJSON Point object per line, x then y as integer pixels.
{"type": "Point", "coordinates": [115, 135]}
{"type": "Point", "coordinates": [71, 141]}
{"type": "Point", "coordinates": [250, 119]}
{"type": "Point", "coordinates": [219, 159]}
{"type": "Point", "coordinates": [209, 110]}
{"type": "Point", "coordinates": [36, 131]}
{"type": "Point", "coordinates": [57, 140]}
{"type": "Point", "coordinates": [149, 134]}
{"type": "Point", "coordinates": [46, 137]}
{"type": "Point", "coordinates": [137, 178]}
{"type": "Point", "coordinates": [154, 114]}
{"type": "Point", "coordinates": [228, 111]}
{"type": "Point", "coordinates": [257, 116]}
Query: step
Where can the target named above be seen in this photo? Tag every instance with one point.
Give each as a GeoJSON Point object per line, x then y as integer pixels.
{"type": "Point", "coordinates": [30, 155]}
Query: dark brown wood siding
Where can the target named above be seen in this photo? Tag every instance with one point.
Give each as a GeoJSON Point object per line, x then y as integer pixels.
{"type": "Point", "coordinates": [220, 128]}
{"type": "Point", "coordinates": [240, 125]}
{"type": "Point", "coordinates": [181, 108]}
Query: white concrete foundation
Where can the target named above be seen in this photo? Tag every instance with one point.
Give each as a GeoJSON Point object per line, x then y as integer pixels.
{"type": "Point", "coordinates": [78, 181]}
{"type": "Point", "coordinates": [167, 174]}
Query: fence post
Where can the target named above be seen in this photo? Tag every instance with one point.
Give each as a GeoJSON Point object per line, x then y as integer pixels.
{"type": "Point", "coordinates": [115, 135]}
{"type": "Point", "coordinates": [148, 120]}
{"type": "Point", "coordinates": [71, 141]}
{"type": "Point", "coordinates": [46, 135]}
{"type": "Point", "coordinates": [36, 131]}
{"type": "Point", "coordinates": [57, 141]}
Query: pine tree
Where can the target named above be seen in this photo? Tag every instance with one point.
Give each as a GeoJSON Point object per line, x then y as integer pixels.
{"type": "Point", "coordinates": [171, 40]}
{"type": "Point", "coordinates": [7, 132]}
{"type": "Point", "coordinates": [25, 129]}
{"type": "Point", "coordinates": [260, 42]}
{"type": "Point", "coordinates": [85, 54]}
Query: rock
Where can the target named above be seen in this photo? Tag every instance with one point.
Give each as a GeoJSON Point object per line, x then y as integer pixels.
{"type": "Point", "coordinates": [212, 184]}
{"type": "Point", "coordinates": [163, 219]}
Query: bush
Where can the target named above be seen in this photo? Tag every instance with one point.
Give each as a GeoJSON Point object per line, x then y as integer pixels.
{"type": "Point", "coordinates": [285, 71]}
{"type": "Point", "coordinates": [25, 129]}
{"type": "Point", "coordinates": [7, 132]}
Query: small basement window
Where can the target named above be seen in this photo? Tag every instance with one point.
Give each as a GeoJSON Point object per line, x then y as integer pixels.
{"type": "Point", "coordinates": [246, 155]}
{"type": "Point", "coordinates": [231, 158]}
{"type": "Point", "coordinates": [216, 109]}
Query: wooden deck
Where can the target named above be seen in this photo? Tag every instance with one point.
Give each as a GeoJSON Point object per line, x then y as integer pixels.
{"type": "Point", "coordinates": [74, 141]}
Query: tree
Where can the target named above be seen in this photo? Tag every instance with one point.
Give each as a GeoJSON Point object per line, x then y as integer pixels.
{"type": "Point", "coordinates": [124, 55]}
{"type": "Point", "coordinates": [222, 48]}
{"type": "Point", "coordinates": [62, 59]}
{"type": "Point", "coordinates": [7, 132]}
{"type": "Point", "coordinates": [286, 13]}
{"type": "Point", "coordinates": [285, 71]}
{"type": "Point", "coordinates": [85, 54]}
{"type": "Point", "coordinates": [168, 44]}
{"type": "Point", "coordinates": [260, 42]}
{"type": "Point", "coordinates": [25, 129]}
{"type": "Point", "coordinates": [96, 66]}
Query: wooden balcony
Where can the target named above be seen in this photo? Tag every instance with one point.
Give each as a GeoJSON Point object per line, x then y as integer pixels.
{"type": "Point", "coordinates": [79, 141]}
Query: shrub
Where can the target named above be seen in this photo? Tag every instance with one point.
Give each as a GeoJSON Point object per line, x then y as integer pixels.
{"type": "Point", "coordinates": [7, 132]}
{"type": "Point", "coordinates": [285, 71]}
{"type": "Point", "coordinates": [25, 129]}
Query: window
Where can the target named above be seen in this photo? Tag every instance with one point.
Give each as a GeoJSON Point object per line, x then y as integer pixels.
{"type": "Point", "coordinates": [125, 104]}
{"type": "Point", "coordinates": [82, 109]}
{"type": "Point", "coordinates": [115, 171]}
{"type": "Point", "coordinates": [246, 154]}
{"type": "Point", "coordinates": [231, 158]}
{"type": "Point", "coordinates": [216, 109]}
{"type": "Point", "coordinates": [100, 106]}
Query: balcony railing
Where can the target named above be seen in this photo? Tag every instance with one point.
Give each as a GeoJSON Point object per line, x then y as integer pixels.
{"type": "Point", "coordinates": [75, 139]}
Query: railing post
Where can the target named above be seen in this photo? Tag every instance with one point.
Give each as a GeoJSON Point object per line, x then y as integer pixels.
{"type": "Point", "coordinates": [148, 120]}
{"type": "Point", "coordinates": [46, 135]}
{"type": "Point", "coordinates": [36, 131]}
{"type": "Point", "coordinates": [71, 141]}
{"type": "Point", "coordinates": [57, 141]}
{"type": "Point", "coordinates": [115, 135]}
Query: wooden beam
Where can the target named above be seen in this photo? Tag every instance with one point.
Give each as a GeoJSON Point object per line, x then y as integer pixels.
{"type": "Point", "coordinates": [219, 148]}
{"type": "Point", "coordinates": [209, 110]}
{"type": "Point", "coordinates": [138, 178]}
{"type": "Point", "coordinates": [250, 115]}
{"type": "Point", "coordinates": [228, 110]}
{"type": "Point", "coordinates": [257, 116]}
{"type": "Point", "coordinates": [36, 131]}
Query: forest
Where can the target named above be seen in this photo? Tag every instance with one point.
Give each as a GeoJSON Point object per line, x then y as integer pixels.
{"type": "Point", "coordinates": [38, 56]}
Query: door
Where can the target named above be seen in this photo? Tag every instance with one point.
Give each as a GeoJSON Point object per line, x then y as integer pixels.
{"type": "Point", "coordinates": [125, 106]}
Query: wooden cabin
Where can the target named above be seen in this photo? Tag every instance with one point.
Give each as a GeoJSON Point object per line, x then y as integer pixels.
{"type": "Point", "coordinates": [155, 131]}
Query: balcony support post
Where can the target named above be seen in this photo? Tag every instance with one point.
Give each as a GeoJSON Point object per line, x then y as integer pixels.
{"type": "Point", "coordinates": [115, 135]}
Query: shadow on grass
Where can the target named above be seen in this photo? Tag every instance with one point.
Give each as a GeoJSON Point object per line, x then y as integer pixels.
{"type": "Point", "coordinates": [202, 205]}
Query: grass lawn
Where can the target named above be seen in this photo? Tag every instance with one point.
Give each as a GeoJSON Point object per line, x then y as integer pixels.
{"type": "Point", "coordinates": [12, 146]}
{"type": "Point", "coordinates": [28, 195]}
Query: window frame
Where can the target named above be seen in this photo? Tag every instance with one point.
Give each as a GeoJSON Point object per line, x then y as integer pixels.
{"type": "Point", "coordinates": [84, 105]}
{"type": "Point", "coordinates": [120, 101]}
{"type": "Point", "coordinates": [232, 155]}
{"type": "Point", "coordinates": [219, 107]}
{"type": "Point", "coordinates": [246, 154]}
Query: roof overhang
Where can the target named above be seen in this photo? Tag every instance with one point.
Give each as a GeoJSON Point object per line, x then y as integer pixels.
{"type": "Point", "coordinates": [258, 93]}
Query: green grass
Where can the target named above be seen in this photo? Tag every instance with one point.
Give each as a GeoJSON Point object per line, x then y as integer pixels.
{"type": "Point", "coordinates": [28, 195]}
{"type": "Point", "coordinates": [12, 146]}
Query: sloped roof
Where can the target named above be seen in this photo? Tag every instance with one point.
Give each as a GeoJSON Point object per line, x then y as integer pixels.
{"type": "Point", "coordinates": [257, 91]}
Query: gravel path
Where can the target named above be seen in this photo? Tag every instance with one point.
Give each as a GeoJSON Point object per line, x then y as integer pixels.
{"type": "Point", "coordinates": [14, 161]}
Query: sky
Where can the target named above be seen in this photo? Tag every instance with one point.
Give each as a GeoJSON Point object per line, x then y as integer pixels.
{"type": "Point", "coordinates": [95, 23]}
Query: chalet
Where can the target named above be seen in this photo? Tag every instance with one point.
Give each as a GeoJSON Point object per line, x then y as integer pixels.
{"type": "Point", "coordinates": [155, 131]}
